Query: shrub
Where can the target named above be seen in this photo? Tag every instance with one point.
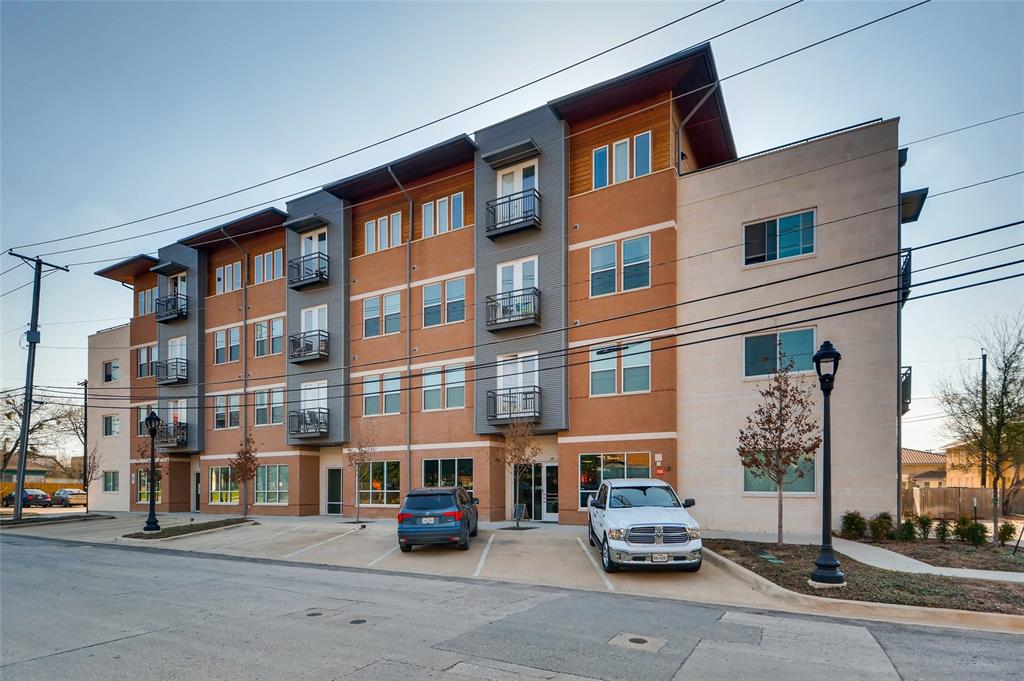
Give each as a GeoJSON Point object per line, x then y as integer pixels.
{"type": "Point", "coordinates": [924, 526]}
{"type": "Point", "coordinates": [854, 525]}
{"type": "Point", "coordinates": [942, 530]}
{"type": "Point", "coordinates": [907, 531]}
{"type": "Point", "coordinates": [960, 529]}
{"type": "Point", "coordinates": [976, 533]}
{"type": "Point", "coordinates": [882, 527]}
{"type": "Point", "coordinates": [1007, 532]}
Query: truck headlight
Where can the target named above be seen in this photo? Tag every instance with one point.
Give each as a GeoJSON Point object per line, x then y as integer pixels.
{"type": "Point", "coordinates": [693, 532]}
{"type": "Point", "coordinates": [615, 533]}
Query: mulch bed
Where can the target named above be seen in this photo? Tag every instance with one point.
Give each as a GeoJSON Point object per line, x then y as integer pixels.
{"type": "Point", "coordinates": [178, 530]}
{"type": "Point", "coordinates": [957, 554]}
{"type": "Point", "coordinates": [868, 583]}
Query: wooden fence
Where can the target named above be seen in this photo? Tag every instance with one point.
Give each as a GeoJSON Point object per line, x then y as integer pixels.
{"type": "Point", "coordinates": [948, 502]}
{"type": "Point", "coordinates": [49, 487]}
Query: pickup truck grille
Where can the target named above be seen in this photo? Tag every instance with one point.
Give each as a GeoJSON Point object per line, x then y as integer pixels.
{"type": "Point", "coordinates": [658, 534]}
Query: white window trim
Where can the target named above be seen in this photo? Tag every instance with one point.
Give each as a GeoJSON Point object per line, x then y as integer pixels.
{"type": "Point", "coordinates": [425, 209]}
{"type": "Point", "coordinates": [590, 371]}
{"type": "Point", "coordinates": [785, 494]}
{"type": "Point", "coordinates": [776, 331]}
{"type": "Point", "coordinates": [621, 251]}
{"type": "Point", "coordinates": [621, 377]}
{"type": "Point", "coordinates": [590, 271]}
{"type": "Point", "coordinates": [629, 158]}
{"type": "Point", "coordinates": [369, 230]}
{"type": "Point", "coordinates": [791, 258]}
{"type": "Point", "coordinates": [383, 315]}
{"type": "Point", "coordinates": [650, 153]}
{"type": "Point", "coordinates": [439, 372]}
{"type": "Point", "coordinates": [103, 425]}
{"type": "Point", "coordinates": [607, 168]}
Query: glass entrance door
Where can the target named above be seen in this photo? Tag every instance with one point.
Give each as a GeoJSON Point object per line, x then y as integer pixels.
{"type": "Point", "coordinates": [333, 491]}
{"type": "Point", "coordinates": [537, 487]}
{"type": "Point", "coordinates": [549, 493]}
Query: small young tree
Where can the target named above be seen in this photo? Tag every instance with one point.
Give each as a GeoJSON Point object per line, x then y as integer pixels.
{"type": "Point", "coordinates": [519, 453]}
{"type": "Point", "coordinates": [160, 461]}
{"type": "Point", "coordinates": [243, 468]}
{"type": "Point", "coordinates": [782, 433]}
{"type": "Point", "coordinates": [92, 460]}
{"type": "Point", "coordinates": [362, 453]}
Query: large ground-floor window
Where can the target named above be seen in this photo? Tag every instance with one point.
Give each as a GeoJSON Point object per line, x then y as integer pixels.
{"type": "Point", "coordinates": [272, 484]}
{"type": "Point", "coordinates": [793, 482]}
{"type": "Point", "coordinates": [142, 489]}
{"type": "Point", "coordinates": [223, 489]}
{"type": "Point", "coordinates": [597, 467]}
{"type": "Point", "coordinates": [379, 483]}
{"type": "Point", "coordinates": [448, 473]}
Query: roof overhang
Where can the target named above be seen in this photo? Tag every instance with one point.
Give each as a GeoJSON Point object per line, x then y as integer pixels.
{"type": "Point", "coordinates": [243, 226]}
{"type": "Point", "coordinates": [129, 268]}
{"type": "Point", "coordinates": [441, 156]}
{"type": "Point", "coordinates": [513, 153]}
{"type": "Point", "coordinates": [168, 267]}
{"type": "Point", "coordinates": [911, 204]}
{"type": "Point", "coordinates": [306, 223]}
{"type": "Point", "coordinates": [689, 75]}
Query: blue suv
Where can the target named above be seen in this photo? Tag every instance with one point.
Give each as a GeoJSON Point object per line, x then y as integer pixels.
{"type": "Point", "coordinates": [437, 515]}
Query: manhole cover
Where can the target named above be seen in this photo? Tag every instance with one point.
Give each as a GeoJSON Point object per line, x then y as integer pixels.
{"type": "Point", "coordinates": [358, 622]}
{"type": "Point", "coordinates": [637, 640]}
{"type": "Point", "coordinates": [313, 614]}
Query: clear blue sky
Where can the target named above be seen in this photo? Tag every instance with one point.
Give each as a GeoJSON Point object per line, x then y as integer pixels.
{"type": "Point", "coordinates": [112, 111]}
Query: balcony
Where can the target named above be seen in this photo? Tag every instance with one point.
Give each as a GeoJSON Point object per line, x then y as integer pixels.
{"type": "Point", "coordinates": [169, 308]}
{"type": "Point", "coordinates": [308, 345]}
{"type": "Point", "coordinates": [171, 371]}
{"type": "Point", "coordinates": [906, 276]}
{"type": "Point", "coordinates": [310, 422]}
{"type": "Point", "coordinates": [905, 387]}
{"type": "Point", "coordinates": [308, 270]}
{"type": "Point", "coordinates": [512, 404]}
{"type": "Point", "coordinates": [513, 308]}
{"type": "Point", "coordinates": [172, 434]}
{"type": "Point", "coordinates": [513, 213]}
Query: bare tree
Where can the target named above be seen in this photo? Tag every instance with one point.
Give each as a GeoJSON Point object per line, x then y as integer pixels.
{"type": "Point", "coordinates": [243, 468]}
{"type": "Point", "coordinates": [519, 453]}
{"type": "Point", "coordinates": [160, 459]}
{"type": "Point", "coordinates": [92, 459]}
{"type": "Point", "coordinates": [782, 433]}
{"type": "Point", "coordinates": [47, 431]}
{"type": "Point", "coordinates": [365, 445]}
{"type": "Point", "coordinates": [993, 438]}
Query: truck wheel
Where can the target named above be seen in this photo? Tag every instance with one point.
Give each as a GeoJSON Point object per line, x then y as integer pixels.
{"type": "Point", "coordinates": [607, 563]}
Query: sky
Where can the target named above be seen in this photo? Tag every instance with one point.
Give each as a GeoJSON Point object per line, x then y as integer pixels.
{"type": "Point", "coordinates": [115, 111]}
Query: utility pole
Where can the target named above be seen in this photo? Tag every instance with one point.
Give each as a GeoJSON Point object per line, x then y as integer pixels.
{"type": "Point", "coordinates": [33, 339]}
{"type": "Point", "coordinates": [85, 439]}
{"type": "Point", "coordinates": [984, 417]}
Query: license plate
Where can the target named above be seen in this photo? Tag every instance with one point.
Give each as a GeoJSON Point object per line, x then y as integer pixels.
{"type": "Point", "coordinates": [426, 521]}
{"type": "Point", "coordinates": [659, 558]}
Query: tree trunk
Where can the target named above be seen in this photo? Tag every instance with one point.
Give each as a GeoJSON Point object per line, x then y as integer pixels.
{"type": "Point", "coordinates": [995, 507]}
{"type": "Point", "coordinates": [245, 500]}
{"type": "Point", "coordinates": [778, 540]}
{"type": "Point", "coordinates": [357, 503]}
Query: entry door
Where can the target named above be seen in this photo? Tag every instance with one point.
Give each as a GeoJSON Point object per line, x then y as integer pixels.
{"type": "Point", "coordinates": [333, 491]}
{"type": "Point", "coordinates": [313, 395]}
{"type": "Point", "coordinates": [314, 242]}
{"type": "Point", "coordinates": [517, 376]}
{"type": "Point", "coordinates": [199, 479]}
{"type": "Point", "coordinates": [178, 284]}
{"type": "Point", "coordinates": [314, 318]}
{"type": "Point", "coordinates": [549, 493]}
{"type": "Point", "coordinates": [176, 348]}
{"type": "Point", "coordinates": [517, 181]}
{"type": "Point", "coordinates": [514, 277]}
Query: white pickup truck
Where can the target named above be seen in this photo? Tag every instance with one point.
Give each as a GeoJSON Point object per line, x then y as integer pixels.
{"type": "Point", "coordinates": [640, 522]}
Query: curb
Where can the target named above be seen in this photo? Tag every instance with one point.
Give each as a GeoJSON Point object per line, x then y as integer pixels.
{"type": "Point", "coordinates": [56, 520]}
{"type": "Point", "coordinates": [867, 610]}
{"type": "Point", "coordinates": [144, 542]}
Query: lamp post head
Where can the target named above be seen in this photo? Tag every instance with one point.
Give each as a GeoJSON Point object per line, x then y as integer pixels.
{"type": "Point", "coordinates": [152, 423]}
{"type": "Point", "coordinates": [826, 365]}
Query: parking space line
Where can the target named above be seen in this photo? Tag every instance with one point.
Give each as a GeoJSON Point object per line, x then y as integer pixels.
{"type": "Point", "coordinates": [483, 557]}
{"type": "Point", "coordinates": [597, 568]}
{"type": "Point", "coordinates": [382, 556]}
{"type": "Point", "coordinates": [246, 541]}
{"type": "Point", "coordinates": [321, 543]}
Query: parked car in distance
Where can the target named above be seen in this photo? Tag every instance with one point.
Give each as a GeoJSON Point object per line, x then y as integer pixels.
{"type": "Point", "coordinates": [29, 497]}
{"type": "Point", "coordinates": [69, 497]}
{"type": "Point", "coordinates": [437, 515]}
{"type": "Point", "coordinates": [640, 521]}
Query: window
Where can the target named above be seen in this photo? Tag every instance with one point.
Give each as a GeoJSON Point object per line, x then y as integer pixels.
{"type": "Point", "coordinates": [600, 167]}
{"type": "Point", "coordinates": [392, 393]}
{"type": "Point", "coordinates": [392, 313]}
{"type": "Point", "coordinates": [112, 371]}
{"type": "Point", "coordinates": [223, 489]}
{"type": "Point", "coordinates": [448, 473]}
{"type": "Point", "coordinates": [428, 219]}
{"type": "Point", "coordinates": [596, 468]}
{"type": "Point", "coordinates": [431, 389]}
{"type": "Point", "coordinates": [269, 337]}
{"type": "Point", "coordinates": [371, 396]}
{"type": "Point", "coordinates": [272, 484]}
{"type": "Point", "coordinates": [642, 154]}
{"type": "Point", "coordinates": [382, 233]}
{"type": "Point", "coordinates": [432, 305]}
{"type": "Point", "coordinates": [146, 302]}
{"type": "Point", "coordinates": [455, 386]}
{"type": "Point", "coordinates": [269, 407]}
{"type": "Point", "coordinates": [234, 343]}
{"type": "Point", "coordinates": [142, 413]}
{"type": "Point", "coordinates": [636, 367]}
{"type": "Point", "coordinates": [379, 483]}
{"type": "Point", "coordinates": [226, 344]}
{"type": "Point", "coordinates": [371, 317]}
{"type": "Point", "coordinates": [636, 263]}
{"type": "Point", "coordinates": [442, 215]}
{"type": "Point", "coordinates": [602, 269]}
{"type": "Point", "coordinates": [268, 266]}
{"type": "Point", "coordinates": [620, 161]}
{"type": "Point", "coordinates": [764, 354]}
{"type": "Point", "coordinates": [458, 218]}
{"type": "Point", "coordinates": [778, 238]}
{"type": "Point", "coordinates": [111, 481]}
{"type": "Point", "coordinates": [370, 231]}
{"type": "Point", "coordinates": [455, 300]}
{"type": "Point", "coordinates": [793, 482]}
{"type": "Point", "coordinates": [396, 229]}
{"type": "Point", "coordinates": [229, 278]}
{"type": "Point", "coordinates": [226, 411]}
{"type": "Point", "coordinates": [111, 425]}
{"type": "Point", "coordinates": [142, 490]}
{"type": "Point", "coordinates": [146, 358]}
{"type": "Point", "coordinates": [602, 371]}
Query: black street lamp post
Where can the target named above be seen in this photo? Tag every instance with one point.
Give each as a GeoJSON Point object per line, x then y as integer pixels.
{"type": "Point", "coordinates": [826, 571]}
{"type": "Point", "coordinates": [152, 423]}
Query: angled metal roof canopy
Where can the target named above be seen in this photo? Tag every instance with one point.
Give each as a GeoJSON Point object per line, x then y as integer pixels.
{"type": "Point", "coordinates": [254, 222]}
{"type": "Point", "coordinates": [126, 270]}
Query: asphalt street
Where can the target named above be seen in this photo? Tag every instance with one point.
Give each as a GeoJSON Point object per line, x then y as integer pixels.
{"type": "Point", "coordinates": [93, 612]}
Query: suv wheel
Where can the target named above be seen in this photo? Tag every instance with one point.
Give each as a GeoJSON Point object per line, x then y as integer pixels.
{"type": "Point", "coordinates": [606, 558]}
{"type": "Point", "coordinates": [476, 529]}
{"type": "Point", "coordinates": [464, 542]}
{"type": "Point", "coordinates": [406, 548]}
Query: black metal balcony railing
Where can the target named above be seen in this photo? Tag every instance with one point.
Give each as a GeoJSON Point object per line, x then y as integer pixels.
{"type": "Point", "coordinates": [905, 387]}
{"type": "Point", "coordinates": [308, 345]}
{"type": "Point", "coordinates": [308, 269]}
{"type": "Point", "coordinates": [513, 308]}
{"type": "Point", "coordinates": [168, 371]}
{"type": "Point", "coordinates": [308, 422]}
{"type": "Point", "coordinates": [174, 306]}
{"type": "Point", "coordinates": [172, 434]}
{"type": "Point", "coordinates": [512, 213]}
{"type": "Point", "coordinates": [905, 276]}
{"type": "Point", "coordinates": [509, 404]}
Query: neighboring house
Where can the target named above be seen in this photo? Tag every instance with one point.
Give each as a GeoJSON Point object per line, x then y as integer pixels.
{"type": "Point", "coordinates": [922, 469]}
{"type": "Point", "coordinates": [418, 307]}
{"type": "Point", "coordinates": [957, 477]}
{"type": "Point", "coordinates": [110, 416]}
{"type": "Point", "coordinates": [36, 470]}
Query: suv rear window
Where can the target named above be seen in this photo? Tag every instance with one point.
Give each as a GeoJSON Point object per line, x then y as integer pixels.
{"type": "Point", "coordinates": [429, 502]}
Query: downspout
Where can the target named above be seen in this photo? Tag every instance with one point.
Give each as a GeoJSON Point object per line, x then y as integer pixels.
{"type": "Point", "coordinates": [245, 332]}
{"type": "Point", "coordinates": [408, 330]}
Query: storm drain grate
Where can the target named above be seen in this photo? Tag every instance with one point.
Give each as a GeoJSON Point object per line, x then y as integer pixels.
{"type": "Point", "coordinates": [638, 642]}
